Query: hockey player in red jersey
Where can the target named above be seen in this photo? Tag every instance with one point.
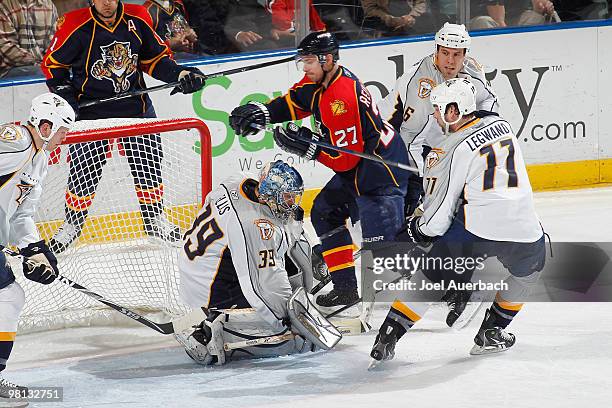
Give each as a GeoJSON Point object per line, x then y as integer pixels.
{"type": "Point", "coordinates": [361, 189]}
{"type": "Point", "coordinates": [96, 53]}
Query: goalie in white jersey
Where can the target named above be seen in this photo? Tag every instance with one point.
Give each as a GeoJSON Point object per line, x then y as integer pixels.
{"type": "Point", "coordinates": [407, 107]}
{"type": "Point", "coordinates": [24, 155]}
{"type": "Point", "coordinates": [246, 250]}
{"type": "Point", "coordinates": [478, 199]}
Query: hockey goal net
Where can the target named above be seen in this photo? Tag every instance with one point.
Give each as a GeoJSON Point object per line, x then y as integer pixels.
{"type": "Point", "coordinates": [126, 178]}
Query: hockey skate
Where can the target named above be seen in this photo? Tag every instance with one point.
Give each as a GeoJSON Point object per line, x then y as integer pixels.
{"type": "Point", "coordinates": [490, 338]}
{"type": "Point", "coordinates": [337, 297]}
{"type": "Point", "coordinates": [456, 301]}
{"type": "Point", "coordinates": [9, 392]}
{"type": "Point", "coordinates": [384, 345]}
{"type": "Point", "coordinates": [160, 227]}
{"type": "Point", "coordinates": [64, 237]}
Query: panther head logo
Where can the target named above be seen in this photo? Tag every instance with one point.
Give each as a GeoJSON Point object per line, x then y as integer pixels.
{"type": "Point", "coordinates": [116, 65]}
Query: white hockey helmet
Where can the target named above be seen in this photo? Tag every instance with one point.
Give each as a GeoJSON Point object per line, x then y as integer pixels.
{"type": "Point", "coordinates": [52, 108]}
{"type": "Point", "coordinates": [458, 91]}
{"type": "Point", "coordinates": [453, 36]}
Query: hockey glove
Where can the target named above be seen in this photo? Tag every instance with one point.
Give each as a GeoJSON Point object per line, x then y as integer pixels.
{"type": "Point", "coordinates": [191, 80]}
{"type": "Point", "coordinates": [297, 140]}
{"type": "Point", "coordinates": [249, 119]}
{"type": "Point", "coordinates": [67, 91]}
{"type": "Point", "coordinates": [410, 232]}
{"type": "Point", "coordinates": [46, 269]}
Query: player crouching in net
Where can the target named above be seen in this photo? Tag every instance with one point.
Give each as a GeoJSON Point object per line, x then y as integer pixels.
{"type": "Point", "coordinates": [478, 203]}
{"type": "Point", "coordinates": [24, 156]}
{"type": "Point", "coordinates": [247, 264]}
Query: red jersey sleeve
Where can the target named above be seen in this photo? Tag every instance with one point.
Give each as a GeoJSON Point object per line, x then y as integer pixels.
{"type": "Point", "coordinates": [341, 115]}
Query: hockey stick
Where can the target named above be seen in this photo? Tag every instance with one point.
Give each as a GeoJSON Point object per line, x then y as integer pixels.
{"type": "Point", "coordinates": [343, 308]}
{"type": "Point", "coordinates": [257, 342]}
{"type": "Point", "coordinates": [163, 328]}
{"type": "Point", "coordinates": [366, 156]}
{"type": "Point", "coordinates": [169, 85]}
{"type": "Point", "coordinates": [317, 288]}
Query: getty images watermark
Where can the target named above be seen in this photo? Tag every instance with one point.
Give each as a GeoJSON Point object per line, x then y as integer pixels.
{"type": "Point", "coordinates": [406, 265]}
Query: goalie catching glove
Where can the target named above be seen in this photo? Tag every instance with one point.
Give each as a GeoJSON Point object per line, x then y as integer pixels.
{"type": "Point", "coordinates": [297, 140]}
{"type": "Point", "coordinates": [249, 119]}
{"type": "Point", "coordinates": [39, 265]}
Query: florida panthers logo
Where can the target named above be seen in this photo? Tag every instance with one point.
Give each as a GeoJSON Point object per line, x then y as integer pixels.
{"type": "Point", "coordinates": [116, 65]}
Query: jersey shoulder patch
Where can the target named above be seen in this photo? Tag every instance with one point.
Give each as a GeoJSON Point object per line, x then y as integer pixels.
{"type": "Point", "coordinates": [13, 138]}
{"type": "Point", "coordinates": [473, 67]}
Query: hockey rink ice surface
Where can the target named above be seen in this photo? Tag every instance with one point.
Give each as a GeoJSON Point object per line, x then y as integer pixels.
{"type": "Point", "coordinates": [562, 358]}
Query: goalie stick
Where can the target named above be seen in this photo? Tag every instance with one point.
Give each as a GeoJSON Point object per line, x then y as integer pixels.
{"type": "Point", "coordinates": [163, 328]}
{"type": "Point", "coordinates": [169, 85]}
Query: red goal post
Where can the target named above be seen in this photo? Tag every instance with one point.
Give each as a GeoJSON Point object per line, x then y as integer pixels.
{"type": "Point", "coordinates": [83, 134]}
{"type": "Point", "coordinates": [114, 255]}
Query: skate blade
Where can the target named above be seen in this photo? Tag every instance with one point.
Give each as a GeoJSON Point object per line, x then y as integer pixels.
{"type": "Point", "coordinates": [374, 364]}
{"type": "Point", "coordinates": [480, 351]}
{"type": "Point", "coordinates": [469, 313]}
{"type": "Point", "coordinates": [13, 403]}
{"type": "Point", "coordinates": [351, 312]}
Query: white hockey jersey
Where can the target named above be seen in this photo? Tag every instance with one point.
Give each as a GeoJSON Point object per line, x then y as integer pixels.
{"type": "Point", "coordinates": [23, 168]}
{"type": "Point", "coordinates": [235, 240]}
{"type": "Point", "coordinates": [480, 166]}
{"type": "Point", "coordinates": [407, 107]}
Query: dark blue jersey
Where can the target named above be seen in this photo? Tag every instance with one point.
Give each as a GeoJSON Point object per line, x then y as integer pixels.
{"type": "Point", "coordinates": [88, 60]}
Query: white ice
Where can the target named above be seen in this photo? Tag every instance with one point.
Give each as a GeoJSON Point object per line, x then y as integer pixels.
{"type": "Point", "coordinates": [562, 357]}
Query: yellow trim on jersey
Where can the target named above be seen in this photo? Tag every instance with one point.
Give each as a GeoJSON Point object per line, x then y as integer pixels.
{"type": "Point", "coordinates": [117, 20]}
{"type": "Point", "coordinates": [290, 106]}
{"type": "Point", "coordinates": [93, 35]}
{"type": "Point", "coordinates": [508, 305]}
{"type": "Point", "coordinates": [7, 336]}
{"type": "Point", "coordinates": [338, 249]}
{"type": "Point", "coordinates": [469, 124]}
{"type": "Point", "coordinates": [405, 310]}
{"type": "Point", "coordinates": [341, 266]}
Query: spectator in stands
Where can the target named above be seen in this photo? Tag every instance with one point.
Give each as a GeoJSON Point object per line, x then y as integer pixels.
{"type": "Point", "coordinates": [225, 26]}
{"type": "Point", "coordinates": [537, 12]}
{"type": "Point", "coordinates": [65, 6]}
{"type": "Point", "coordinates": [487, 14]}
{"type": "Point", "coordinates": [283, 17]}
{"type": "Point", "coordinates": [398, 16]}
{"type": "Point", "coordinates": [570, 10]}
{"type": "Point", "coordinates": [171, 23]}
{"type": "Point", "coordinates": [26, 29]}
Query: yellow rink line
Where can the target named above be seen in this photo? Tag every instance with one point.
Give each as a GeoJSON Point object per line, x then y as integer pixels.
{"type": "Point", "coordinates": [553, 176]}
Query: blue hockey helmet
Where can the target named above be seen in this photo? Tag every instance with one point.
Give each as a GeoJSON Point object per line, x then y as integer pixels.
{"type": "Point", "coordinates": [281, 188]}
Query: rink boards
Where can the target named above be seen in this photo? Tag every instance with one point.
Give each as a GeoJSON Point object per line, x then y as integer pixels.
{"type": "Point", "coordinates": [552, 83]}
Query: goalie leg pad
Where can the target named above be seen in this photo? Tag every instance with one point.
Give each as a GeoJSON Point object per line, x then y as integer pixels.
{"type": "Point", "coordinates": [310, 323]}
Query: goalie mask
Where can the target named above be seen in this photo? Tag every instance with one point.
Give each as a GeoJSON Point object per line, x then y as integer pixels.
{"type": "Point", "coordinates": [281, 188]}
{"type": "Point", "coordinates": [457, 91]}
